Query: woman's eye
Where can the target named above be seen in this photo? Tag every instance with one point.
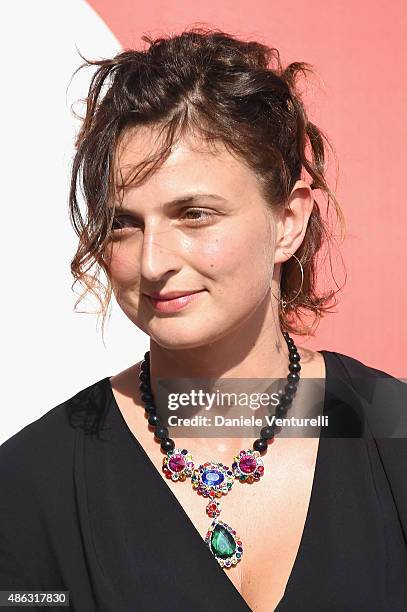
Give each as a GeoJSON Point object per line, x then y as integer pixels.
{"type": "Point", "coordinates": [199, 215]}
{"type": "Point", "coordinates": [193, 216]}
{"type": "Point", "coordinates": [120, 223]}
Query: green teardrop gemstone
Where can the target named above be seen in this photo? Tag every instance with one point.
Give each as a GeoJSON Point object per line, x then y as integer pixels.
{"type": "Point", "coordinates": [222, 542]}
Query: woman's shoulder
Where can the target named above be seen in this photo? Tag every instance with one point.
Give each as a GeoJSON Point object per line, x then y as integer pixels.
{"type": "Point", "coordinates": [375, 385]}
{"type": "Point", "coordinates": [376, 396]}
{"type": "Point", "coordinates": [318, 364]}
{"type": "Point", "coordinates": [48, 440]}
{"type": "Point", "coordinates": [347, 366]}
{"type": "Point", "coordinates": [380, 400]}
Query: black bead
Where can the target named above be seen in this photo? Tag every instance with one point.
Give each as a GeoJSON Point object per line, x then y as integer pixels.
{"type": "Point", "coordinates": [290, 388]}
{"type": "Point", "coordinates": [147, 397]}
{"type": "Point", "coordinates": [267, 432]}
{"type": "Point", "coordinates": [294, 367]}
{"type": "Point", "coordinates": [293, 377]}
{"type": "Point", "coordinates": [281, 411]}
{"type": "Point", "coordinates": [167, 445]}
{"type": "Point", "coordinates": [147, 356]}
{"type": "Point", "coordinates": [285, 399]}
{"type": "Point", "coordinates": [294, 357]}
{"type": "Point", "coordinates": [143, 376]}
{"type": "Point", "coordinates": [144, 387]}
{"type": "Point", "coordinates": [153, 420]}
{"type": "Point", "coordinates": [161, 432]}
{"type": "Point", "coordinates": [144, 367]}
{"type": "Point", "coordinates": [150, 408]}
{"type": "Point", "coordinates": [260, 445]}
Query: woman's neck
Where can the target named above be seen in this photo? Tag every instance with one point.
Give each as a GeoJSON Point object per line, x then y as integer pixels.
{"type": "Point", "coordinates": [231, 357]}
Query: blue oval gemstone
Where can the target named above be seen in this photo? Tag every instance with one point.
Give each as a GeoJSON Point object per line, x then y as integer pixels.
{"type": "Point", "coordinates": [212, 477]}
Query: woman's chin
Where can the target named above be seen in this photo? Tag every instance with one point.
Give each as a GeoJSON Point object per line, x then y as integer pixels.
{"type": "Point", "coordinates": [184, 339]}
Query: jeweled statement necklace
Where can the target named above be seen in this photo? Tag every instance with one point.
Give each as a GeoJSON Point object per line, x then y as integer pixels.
{"type": "Point", "coordinates": [213, 479]}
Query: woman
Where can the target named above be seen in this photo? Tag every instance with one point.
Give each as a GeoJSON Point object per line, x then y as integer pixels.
{"type": "Point", "coordinates": [192, 157]}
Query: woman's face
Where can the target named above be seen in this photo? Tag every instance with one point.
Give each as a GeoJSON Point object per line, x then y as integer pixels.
{"type": "Point", "coordinates": [219, 244]}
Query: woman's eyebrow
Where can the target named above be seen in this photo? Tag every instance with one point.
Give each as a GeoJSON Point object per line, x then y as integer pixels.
{"type": "Point", "coordinates": [186, 199]}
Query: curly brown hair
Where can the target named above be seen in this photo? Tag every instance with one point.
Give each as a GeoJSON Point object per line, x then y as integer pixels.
{"type": "Point", "coordinates": [228, 90]}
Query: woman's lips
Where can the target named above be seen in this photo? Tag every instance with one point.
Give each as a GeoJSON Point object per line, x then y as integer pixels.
{"type": "Point", "coordinates": [174, 304]}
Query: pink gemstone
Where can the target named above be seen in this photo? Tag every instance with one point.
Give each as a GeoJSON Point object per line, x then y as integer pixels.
{"type": "Point", "coordinates": [260, 469]}
{"type": "Point", "coordinates": [247, 464]}
{"type": "Point", "coordinates": [177, 463]}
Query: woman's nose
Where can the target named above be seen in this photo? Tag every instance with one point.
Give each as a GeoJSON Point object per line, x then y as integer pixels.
{"type": "Point", "coordinates": [160, 252]}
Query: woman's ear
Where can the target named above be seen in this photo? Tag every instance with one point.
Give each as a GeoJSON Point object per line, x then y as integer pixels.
{"type": "Point", "coordinates": [293, 221]}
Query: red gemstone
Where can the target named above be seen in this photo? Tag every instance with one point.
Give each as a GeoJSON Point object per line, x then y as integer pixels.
{"type": "Point", "coordinates": [247, 464]}
{"type": "Point", "coordinates": [177, 463]}
{"type": "Point", "coordinates": [260, 469]}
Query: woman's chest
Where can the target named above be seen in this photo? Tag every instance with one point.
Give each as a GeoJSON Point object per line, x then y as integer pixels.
{"type": "Point", "coordinates": [269, 516]}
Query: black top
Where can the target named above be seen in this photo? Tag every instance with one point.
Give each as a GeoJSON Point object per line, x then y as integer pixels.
{"type": "Point", "coordinates": [83, 509]}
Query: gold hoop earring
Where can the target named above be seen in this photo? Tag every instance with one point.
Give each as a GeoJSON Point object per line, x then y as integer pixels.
{"type": "Point", "coordinates": [284, 302]}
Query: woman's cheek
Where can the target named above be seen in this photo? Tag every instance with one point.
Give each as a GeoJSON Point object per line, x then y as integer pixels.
{"type": "Point", "coordinates": [232, 255]}
{"type": "Point", "coordinates": [124, 267]}
{"type": "Point", "coordinates": [218, 255]}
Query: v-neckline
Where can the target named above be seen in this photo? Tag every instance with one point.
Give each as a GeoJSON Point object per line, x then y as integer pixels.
{"type": "Point", "coordinates": [311, 505]}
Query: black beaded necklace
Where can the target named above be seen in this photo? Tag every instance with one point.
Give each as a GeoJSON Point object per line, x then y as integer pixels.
{"type": "Point", "coordinates": [213, 479]}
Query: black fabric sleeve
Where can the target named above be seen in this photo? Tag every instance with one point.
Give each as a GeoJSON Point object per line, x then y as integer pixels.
{"type": "Point", "coordinates": [393, 455]}
{"type": "Point", "coordinates": [17, 552]}
{"type": "Point", "coordinates": [384, 399]}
